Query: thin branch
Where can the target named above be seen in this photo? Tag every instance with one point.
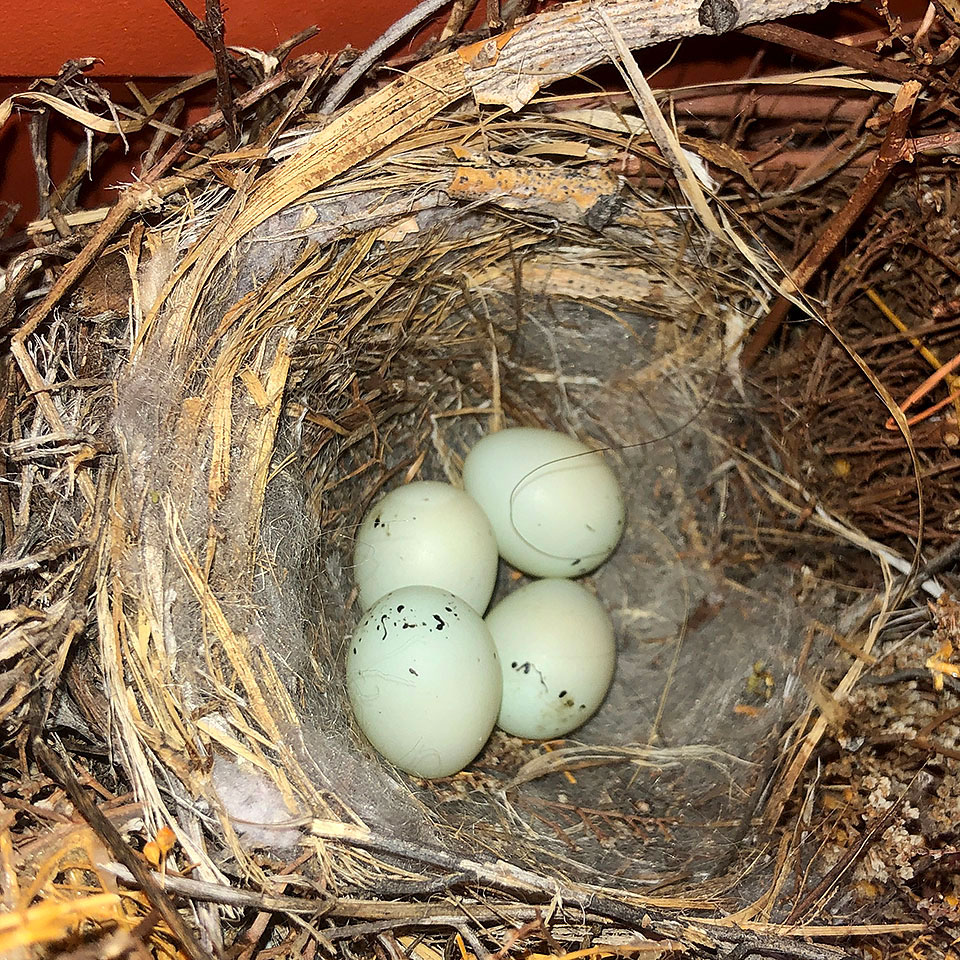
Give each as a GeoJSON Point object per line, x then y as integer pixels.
{"type": "Point", "coordinates": [299, 67]}
{"type": "Point", "coordinates": [200, 31]}
{"type": "Point", "coordinates": [459, 15]}
{"type": "Point", "coordinates": [826, 49]}
{"type": "Point", "coordinates": [283, 50]}
{"type": "Point", "coordinates": [206, 892]}
{"type": "Point", "coordinates": [38, 127]}
{"type": "Point", "coordinates": [393, 34]}
{"type": "Point", "coordinates": [215, 31]}
{"type": "Point", "coordinates": [890, 153]}
{"type": "Point", "coordinates": [170, 118]}
{"type": "Point", "coordinates": [108, 833]}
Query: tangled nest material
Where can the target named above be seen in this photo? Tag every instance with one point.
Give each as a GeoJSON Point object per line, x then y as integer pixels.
{"type": "Point", "coordinates": [301, 323]}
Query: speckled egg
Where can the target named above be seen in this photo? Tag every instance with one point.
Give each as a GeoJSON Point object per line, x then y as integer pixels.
{"type": "Point", "coordinates": [424, 680]}
{"type": "Point", "coordinates": [557, 654]}
{"type": "Point", "coordinates": [426, 533]}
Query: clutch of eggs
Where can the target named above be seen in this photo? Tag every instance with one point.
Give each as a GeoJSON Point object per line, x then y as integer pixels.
{"type": "Point", "coordinates": [423, 672]}
{"type": "Point", "coordinates": [554, 504]}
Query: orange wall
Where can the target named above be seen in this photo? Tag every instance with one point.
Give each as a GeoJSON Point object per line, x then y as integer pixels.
{"type": "Point", "coordinates": [144, 38]}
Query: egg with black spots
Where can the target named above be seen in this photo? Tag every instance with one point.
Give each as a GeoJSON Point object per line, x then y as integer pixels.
{"type": "Point", "coordinates": [557, 655]}
{"type": "Point", "coordinates": [424, 680]}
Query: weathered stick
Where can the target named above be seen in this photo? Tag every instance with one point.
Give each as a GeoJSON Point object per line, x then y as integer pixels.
{"type": "Point", "coordinates": [566, 40]}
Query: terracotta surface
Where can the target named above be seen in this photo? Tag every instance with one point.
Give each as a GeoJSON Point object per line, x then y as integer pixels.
{"type": "Point", "coordinates": [144, 38]}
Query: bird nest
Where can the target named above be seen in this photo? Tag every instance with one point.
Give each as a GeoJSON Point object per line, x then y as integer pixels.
{"type": "Point", "coordinates": [247, 352]}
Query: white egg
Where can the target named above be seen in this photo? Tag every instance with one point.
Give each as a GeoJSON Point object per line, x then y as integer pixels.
{"type": "Point", "coordinates": [424, 680]}
{"type": "Point", "coordinates": [557, 652]}
{"type": "Point", "coordinates": [426, 533]}
{"type": "Point", "coordinates": [554, 504]}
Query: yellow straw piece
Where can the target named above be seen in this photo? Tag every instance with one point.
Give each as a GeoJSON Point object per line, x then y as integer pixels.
{"type": "Point", "coordinates": [925, 352]}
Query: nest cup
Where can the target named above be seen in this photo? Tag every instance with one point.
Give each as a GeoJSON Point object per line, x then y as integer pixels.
{"type": "Point", "coordinates": [277, 380]}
